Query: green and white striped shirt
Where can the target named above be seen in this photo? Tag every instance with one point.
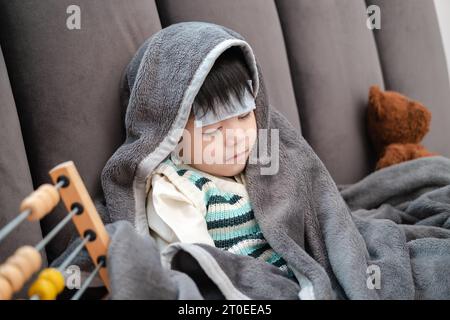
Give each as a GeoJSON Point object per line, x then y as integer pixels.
{"type": "Point", "coordinates": [229, 215]}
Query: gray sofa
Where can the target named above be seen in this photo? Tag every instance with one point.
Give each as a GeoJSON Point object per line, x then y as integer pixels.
{"type": "Point", "coordinates": [59, 88]}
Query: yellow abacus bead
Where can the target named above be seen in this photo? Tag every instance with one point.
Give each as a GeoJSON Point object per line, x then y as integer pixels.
{"type": "Point", "coordinates": [33, 256]}
{"type": "Point", "coordinates": [6, 290]}
{"type": "Point", "coordinates": [14, 275]}
{"type": "Point", "coordinates": [23, 264]}
{"type": "Point", "coordinates": [44, 289]}
{"type": "Point", "coordinates": [54, 276]}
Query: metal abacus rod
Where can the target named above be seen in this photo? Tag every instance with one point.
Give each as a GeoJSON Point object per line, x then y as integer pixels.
{"type": "Point", "coordinates": [14, 224]}
{"type": "Point", "coordinates": [88, 281]}
{"type": "Point", "coordinates": [74, 253]}
{"type": "Point", "coordinates": [41, 245]}
{"type": "Point", "coordinates": [27, 260]}
{"type": "Point", "coordinates": [22, 216]}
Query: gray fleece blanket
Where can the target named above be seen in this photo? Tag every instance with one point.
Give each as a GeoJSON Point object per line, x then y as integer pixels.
{"type": "Point", "coordinates": [385, 237]}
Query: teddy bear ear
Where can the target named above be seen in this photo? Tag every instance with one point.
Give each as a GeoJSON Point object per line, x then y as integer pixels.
{"type": "Point", "coordinates": [375, 96]}
{"type": "Point", "coordinates": [421, 117]}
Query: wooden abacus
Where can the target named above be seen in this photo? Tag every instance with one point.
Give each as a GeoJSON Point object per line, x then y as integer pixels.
{"type": "Point", "coordinates": [27, 260]}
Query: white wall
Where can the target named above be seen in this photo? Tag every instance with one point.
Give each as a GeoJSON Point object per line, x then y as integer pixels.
{"type": "Point", "coordinates": [443, 13]}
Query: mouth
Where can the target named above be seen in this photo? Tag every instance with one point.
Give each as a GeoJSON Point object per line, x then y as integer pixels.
{"type": "Point", "coordinates": [236, 156]}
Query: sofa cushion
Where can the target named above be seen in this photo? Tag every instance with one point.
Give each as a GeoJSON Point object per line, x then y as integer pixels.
{"type": "Point", "coordinates": [66, 83]}
{"type": "Point", "coordinates": [14, 172]}
{"type": "Point", "coordinates": [413, 62]}
{"type": "Point", "coordinates": [333, 61]}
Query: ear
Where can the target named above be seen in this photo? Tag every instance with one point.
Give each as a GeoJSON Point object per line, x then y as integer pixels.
{"type": "Point", "coordinates": [421, 117]}
{"type": "Point", "coordinates": [375, 97]}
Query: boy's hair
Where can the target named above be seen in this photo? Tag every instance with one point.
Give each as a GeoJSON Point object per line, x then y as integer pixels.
{"type": "Point", "coordinates": [228, 76]}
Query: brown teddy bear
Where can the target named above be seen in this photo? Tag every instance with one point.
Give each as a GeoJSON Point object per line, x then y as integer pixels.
{"type": "Point", "coordinates": [396, 125]}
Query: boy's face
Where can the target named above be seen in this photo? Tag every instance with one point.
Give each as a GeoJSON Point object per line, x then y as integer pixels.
{"type": "Point", "coordinates": [222, 148]}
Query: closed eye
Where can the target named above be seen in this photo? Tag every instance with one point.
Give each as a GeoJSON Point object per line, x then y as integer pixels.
{"type": "Point", "coordinates": [212, 131]}
{"type": "Point", "coordinates": [244, 116]}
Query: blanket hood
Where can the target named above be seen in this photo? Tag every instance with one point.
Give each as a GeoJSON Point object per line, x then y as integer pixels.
{"type": "Point", "coordinates": [158, 89]}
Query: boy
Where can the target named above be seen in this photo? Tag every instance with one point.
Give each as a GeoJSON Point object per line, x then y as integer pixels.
{"type": "Point", "coordinates": [198, 194]}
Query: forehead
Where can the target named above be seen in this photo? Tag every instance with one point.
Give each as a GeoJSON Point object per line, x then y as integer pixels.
{"type": "Point", "coordinates": [191, 120]}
